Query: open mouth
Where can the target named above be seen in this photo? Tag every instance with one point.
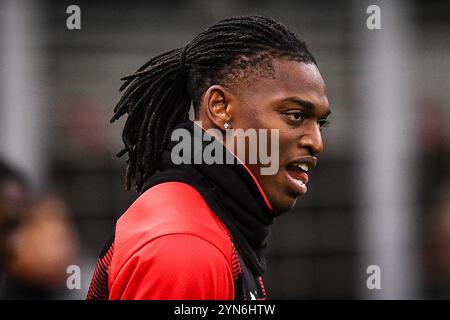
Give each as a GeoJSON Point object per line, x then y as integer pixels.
{"type": "Point", "coordinates": [297, 172]}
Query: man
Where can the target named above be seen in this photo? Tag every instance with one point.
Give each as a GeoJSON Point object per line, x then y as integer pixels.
{"type": "Point", "coordinates": [199, 230]}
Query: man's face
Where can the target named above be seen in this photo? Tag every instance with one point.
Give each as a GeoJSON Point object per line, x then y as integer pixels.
{"type": "Point", "coordinates": [295, 103]}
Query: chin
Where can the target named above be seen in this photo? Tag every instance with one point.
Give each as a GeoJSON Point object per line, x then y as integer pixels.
{"type": "Point", "coordinates": [284, 206]}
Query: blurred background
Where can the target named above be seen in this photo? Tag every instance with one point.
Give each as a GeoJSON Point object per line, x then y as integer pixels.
{"type": "Point", "coordinates": [379, 197]}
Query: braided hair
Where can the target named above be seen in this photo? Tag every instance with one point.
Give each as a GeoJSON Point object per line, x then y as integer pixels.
{"type": "Point", "coordinates": [159, 94]}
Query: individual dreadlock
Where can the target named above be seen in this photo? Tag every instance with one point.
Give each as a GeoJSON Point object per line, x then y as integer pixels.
{"type": "Point", "coordinates": [159, 94]}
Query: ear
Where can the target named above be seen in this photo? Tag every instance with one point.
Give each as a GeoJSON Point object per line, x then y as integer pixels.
{"type": "Point", "coordinates": [218, 105]}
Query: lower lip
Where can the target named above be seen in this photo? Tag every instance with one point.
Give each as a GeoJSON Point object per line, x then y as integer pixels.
{"type": "Point", "coordinates": [298, 181]}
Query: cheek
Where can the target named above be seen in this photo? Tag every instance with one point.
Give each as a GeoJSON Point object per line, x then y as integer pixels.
{"type": "Point", "coordinates": [252, 114]}
{"type": "Point", "coordinates": [283, 149]}
{"type": "Point", "coordinates": [248, 119]}
{"type": "Point", "coordinates": [287, 145]}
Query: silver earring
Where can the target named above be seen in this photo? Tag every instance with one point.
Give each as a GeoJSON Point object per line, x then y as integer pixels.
{"type": "Point", "coordinates": [226, 125]}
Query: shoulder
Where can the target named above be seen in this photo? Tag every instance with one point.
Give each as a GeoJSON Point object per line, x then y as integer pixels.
{"type": "Point", "coordinates": [175, 266]}
{"type": "Point", "coordinates": [168, 208]}
{"type": "Point", "coordinates": [160, 218]}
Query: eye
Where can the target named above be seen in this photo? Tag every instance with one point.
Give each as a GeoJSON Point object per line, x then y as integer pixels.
{"type": "Point", "coordinates": [323, 123]}
{"type": "Point", "coordinates": [295, 116]}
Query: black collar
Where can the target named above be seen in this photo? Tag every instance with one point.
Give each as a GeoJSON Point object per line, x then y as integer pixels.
{"type": "Point", "coordinates": [230, 191]}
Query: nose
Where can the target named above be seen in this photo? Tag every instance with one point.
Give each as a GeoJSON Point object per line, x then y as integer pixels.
{"type": "Point", "coordinates": [312, 138]}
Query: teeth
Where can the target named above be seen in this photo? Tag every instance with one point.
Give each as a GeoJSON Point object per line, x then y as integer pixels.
{"type": "Point", "coordinates": [303, 166]}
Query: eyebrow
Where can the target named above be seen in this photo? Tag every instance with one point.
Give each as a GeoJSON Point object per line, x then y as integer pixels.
{"type": "Point", "coordinates": [304, 103]}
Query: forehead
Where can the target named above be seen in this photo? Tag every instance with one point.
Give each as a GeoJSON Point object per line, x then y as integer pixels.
{"type": "Point", "coordinates": [293, 75]}
{"type": "Point", "coordinates": [291, 79]}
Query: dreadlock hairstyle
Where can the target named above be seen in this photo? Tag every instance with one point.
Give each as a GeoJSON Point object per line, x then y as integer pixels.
{"type": "Point", "coordinates": [159, 94]}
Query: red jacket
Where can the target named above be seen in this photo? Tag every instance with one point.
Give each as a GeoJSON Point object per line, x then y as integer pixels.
{"type": "Point", "coordinates": [166, 249]}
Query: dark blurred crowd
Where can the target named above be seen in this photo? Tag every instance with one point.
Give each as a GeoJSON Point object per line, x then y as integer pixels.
{"type": "Point", "coordinates": [37, 240]}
